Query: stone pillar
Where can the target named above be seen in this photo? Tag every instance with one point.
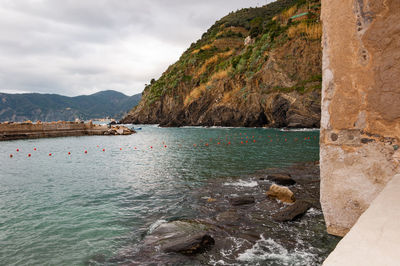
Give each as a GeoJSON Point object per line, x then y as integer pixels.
{"type": "Point", "coordinates": [360, 123]}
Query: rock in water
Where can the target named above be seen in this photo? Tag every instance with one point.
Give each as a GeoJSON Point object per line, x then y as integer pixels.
{"type": "Point", "coordinates": [281, 193]}
{"type": "Point", "coordinates": [185, 237]}
{"type": "Point", "coordinates": [242, 200]}
{"type": "Point", "coordinates": [281, 179]}
{"type": "Point", "coordinates": [292, 212]}
{"type": "Point", "coordinates": [230, 217]}
{"type": "Point", "coordinates": [190, 245]}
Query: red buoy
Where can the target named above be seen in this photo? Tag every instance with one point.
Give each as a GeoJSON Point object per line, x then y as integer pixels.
{"type": "Point", "coordinates": [247, 141]}
{"type": "Point", "coordinates": [219, 143]}
{"type": "Point", "coordinates": [165, 146]}
{"type": "Point", "coordinates": [29, 155]}
{"type": "Point", "coordinates": [17, 149]}
{"type": "Point", "coordinates": [34, 149]}
{"type": "Point", "coordinates": [11, 155]}
{"type": "Point", "coordinates": [49, 154]}
{"type": "Point", "coordinates": [254, 140]}
{"type": "Point", "coordinates": [229, 143]}
{"type": "Point", "coordinates": [151, 147]}
{"type": "Point", "coordinates": [85, 151]}
{"type": "Point", "coordinates": [104, 149]}
{"type": "Point", "coordinates": [120, 149]}
{"type": "Point", "coordinates": [69, 153]}
{"type": "Point", "coordinates": [241, 142]}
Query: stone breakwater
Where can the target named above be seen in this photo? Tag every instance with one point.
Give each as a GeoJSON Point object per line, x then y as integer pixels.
{"type": "Point", "coordinates": [28, 130]}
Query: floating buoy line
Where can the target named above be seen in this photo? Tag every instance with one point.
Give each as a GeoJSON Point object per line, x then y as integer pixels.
{"type": "Point", "coordinates": [241, 139]}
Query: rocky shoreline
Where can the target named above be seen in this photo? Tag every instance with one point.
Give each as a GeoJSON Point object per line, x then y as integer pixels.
{"type": "Point", "coordinates": [243, 220]}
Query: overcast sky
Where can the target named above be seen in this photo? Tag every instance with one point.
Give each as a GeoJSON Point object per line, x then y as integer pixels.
{"type": "Point", "coordinates": [74, 47]}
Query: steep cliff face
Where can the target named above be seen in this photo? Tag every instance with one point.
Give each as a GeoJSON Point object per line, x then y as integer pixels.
{"type": "Point", "coordinates": [255, 67]}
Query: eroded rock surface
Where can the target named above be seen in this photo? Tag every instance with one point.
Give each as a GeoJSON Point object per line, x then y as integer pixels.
{"type": "Point", "coordinates": [292, 212]}
{"type": "Point", "coordinates": [281, 179]}
{"type": "Point", "coordinates": [281, 193]}
{"type": "Point", "coordinates": [235, 234]}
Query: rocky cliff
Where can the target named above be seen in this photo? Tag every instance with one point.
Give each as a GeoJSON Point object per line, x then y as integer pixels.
{"type": "Point", "coordinates": [255, 67]}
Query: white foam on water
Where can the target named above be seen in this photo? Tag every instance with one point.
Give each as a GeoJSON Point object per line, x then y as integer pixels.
{"type": "Point", "coordinates": [242, 183]}
{"type": "Point", "coordinates": [156, 224]}
{"type": "Point", "coordinates": [220, 262]}
{"type": "Point", "coordinates": [268, 249]}
{"type": "Point", "coordinates": [238, 243]}
{"type": "Point", "coordinates": [313, 212]}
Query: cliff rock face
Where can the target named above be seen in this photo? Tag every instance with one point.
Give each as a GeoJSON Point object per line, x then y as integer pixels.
{"type": "Point", "coordinates": [255, 67]}
{"type": "Point", "coordinates": [360, 124]}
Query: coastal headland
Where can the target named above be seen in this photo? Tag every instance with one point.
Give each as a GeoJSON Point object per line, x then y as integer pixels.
{"type": "Point", "coordinates": [29, 130]}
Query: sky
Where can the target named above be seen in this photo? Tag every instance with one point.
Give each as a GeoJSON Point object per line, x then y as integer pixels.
{"type": "Point", "coordinates": [75, 47]}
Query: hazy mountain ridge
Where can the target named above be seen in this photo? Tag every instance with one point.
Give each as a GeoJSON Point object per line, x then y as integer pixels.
{"type": "Point", "coordinates": [254, 67]}
{"type": "Point", "coordinates": [54, 107]}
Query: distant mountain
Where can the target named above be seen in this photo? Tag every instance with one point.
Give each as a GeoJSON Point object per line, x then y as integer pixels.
{"type": "Point", "coordinates": [54, 107]}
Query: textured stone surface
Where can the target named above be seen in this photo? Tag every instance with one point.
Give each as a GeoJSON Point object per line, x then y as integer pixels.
{"type": "Point", "coordinates": [281, 179]}
{"type": "Point", "coordinates": [281, 193]}
{"type": "Point", "coordinates": [360, 115]}
{"type": "Point", "coordinates": [237, 201]}
{"type": "Point", "coordinates": [13, 131]}
{"type": "Point", "coordinates": [292, 212]}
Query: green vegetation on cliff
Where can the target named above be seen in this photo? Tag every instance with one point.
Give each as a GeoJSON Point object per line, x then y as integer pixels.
{"type": "Point", "coordinates": [251, 53]}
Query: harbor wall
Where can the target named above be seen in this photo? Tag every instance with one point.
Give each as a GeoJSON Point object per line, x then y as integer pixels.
{"type": "Point", "coordinates": [360, 120]}
{"type": "Point", "coordinates": [12, 131]}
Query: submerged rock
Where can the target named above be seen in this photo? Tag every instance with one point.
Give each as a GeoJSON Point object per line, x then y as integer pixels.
{"type": "Point", "coordinates": [281, 193]}
{"type": "Point", "coordinates": [242, 200]}
{"type": "Point", "coordinates": [185, 237]}
{"type": "Point", "coordinates": [292, 212]}
{"type": "Point", "coordinates": [190, 245]}
{"type": "Point", "coordinates": [281, 179]}
{"type": "Point", "coordinates": [229, 217]}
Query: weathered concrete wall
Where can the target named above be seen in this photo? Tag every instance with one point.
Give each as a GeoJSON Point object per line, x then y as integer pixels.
{"type": "Point", "coordinates": [44, 130]}
{"type": "Point", "coordinates": [360, 123]}
{"type": "Point", "coordinates": [375, 238]}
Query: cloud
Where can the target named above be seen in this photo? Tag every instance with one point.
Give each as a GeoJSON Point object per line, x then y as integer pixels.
{"type": "Point", "coordinates": [75, 47]}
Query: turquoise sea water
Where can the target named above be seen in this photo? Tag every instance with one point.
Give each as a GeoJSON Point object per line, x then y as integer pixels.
{"type": "Point", "coordinates": [74, 209]}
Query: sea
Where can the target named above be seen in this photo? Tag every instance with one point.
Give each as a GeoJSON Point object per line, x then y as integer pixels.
{"type": "Point", "coordinates": [81, 200]}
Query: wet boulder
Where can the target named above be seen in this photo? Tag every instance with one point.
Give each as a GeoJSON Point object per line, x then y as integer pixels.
{"type": "Point", "coordinates": [281, 179]}
{"type": "Point", "coordinates": [292, 212]}
{"type": "Point", "coordinates": [185, 237]}
{"type": "Point", "coordinates": [281, 193]}
{"type": "Point", "coordinates": [237, 201]}
{"type": "Point", "coordinates": [190, 245]}
{"type": "Point", "coordinates": [230, 217]}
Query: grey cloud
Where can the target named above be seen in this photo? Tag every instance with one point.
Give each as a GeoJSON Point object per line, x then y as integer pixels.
{"type": "Point", "coordinates": [72, 46]}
